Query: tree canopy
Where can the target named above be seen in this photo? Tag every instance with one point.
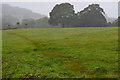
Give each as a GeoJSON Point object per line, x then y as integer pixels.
{"type": "Point", "coordinates": [91, 16]}
{"type": "Point", "coordinates": [61, 14]}
{"type": "Point", "coordinates": [64, 15]}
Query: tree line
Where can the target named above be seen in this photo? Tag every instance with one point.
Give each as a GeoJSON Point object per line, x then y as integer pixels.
{"type": "Point", "coordinates": [92, 16]}
{"type": "Point", "coordinates": [63, 15]}
{"type": "Point", "coordinates": [28, 23]}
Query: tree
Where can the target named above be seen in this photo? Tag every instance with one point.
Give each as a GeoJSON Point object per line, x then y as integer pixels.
{"type": "Point", "coordinates": [116, 22]}
{"type": "Point", "coordinates": [8, 22]}
{"type": "Point", "coordinates": [43, 23]}
{"type": "Point", "coordinates": [92, 16]}
{"type": "Point", "coordinates": [6, 25]}
{"type": "Point", "coordinates": [61, 15]}
{"type": "Point", "coordinates": [18, 23]}
{"type": "Point", "coordinates": [28, 23]}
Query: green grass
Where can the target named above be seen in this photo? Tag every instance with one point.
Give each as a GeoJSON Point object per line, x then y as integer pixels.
{"type": "Point", "coordinates": [90, 52]}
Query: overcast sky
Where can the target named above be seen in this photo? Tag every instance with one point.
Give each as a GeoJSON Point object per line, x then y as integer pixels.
{"type": "Point", "coordinates": [111, 8]}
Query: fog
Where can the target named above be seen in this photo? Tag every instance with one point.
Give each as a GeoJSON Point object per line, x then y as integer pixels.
{"type": "Point", "coordinates": [110, 8]}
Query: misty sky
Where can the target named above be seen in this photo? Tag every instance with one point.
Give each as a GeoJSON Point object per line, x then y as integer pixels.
{"type": "Point", "coordinates": [111, 8]}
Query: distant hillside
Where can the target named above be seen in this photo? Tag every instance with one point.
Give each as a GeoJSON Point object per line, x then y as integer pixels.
{"type": "Point", "coordinates": [18, 13]}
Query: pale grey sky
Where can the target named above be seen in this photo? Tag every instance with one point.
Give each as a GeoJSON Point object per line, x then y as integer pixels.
{"type": "Point", "coordinates": [111, 8]}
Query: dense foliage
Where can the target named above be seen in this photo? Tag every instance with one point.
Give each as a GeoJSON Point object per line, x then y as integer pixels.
{"type": "Point", "coordinates": [65, 15]}
{"type": "Point", "coordinates": [62, 14]}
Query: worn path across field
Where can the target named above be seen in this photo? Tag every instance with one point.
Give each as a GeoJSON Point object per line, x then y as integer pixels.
{"type": "Point", "coordinates": [68, 61]}
{"type": "Point", "coordinates": [60, 53]}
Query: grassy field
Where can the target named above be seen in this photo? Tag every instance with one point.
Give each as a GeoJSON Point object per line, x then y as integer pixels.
{"type": "Point", "coordinates": [90, 52]}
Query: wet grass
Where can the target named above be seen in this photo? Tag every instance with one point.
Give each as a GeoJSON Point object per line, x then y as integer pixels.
{"type": "Point", "coordinates": [89, 52]}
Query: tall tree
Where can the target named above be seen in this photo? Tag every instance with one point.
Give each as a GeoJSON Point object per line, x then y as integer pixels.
{"type": "Point", "coordinates": [92, 16]}
{"type": "Point", "coordinates": [61, 15]}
